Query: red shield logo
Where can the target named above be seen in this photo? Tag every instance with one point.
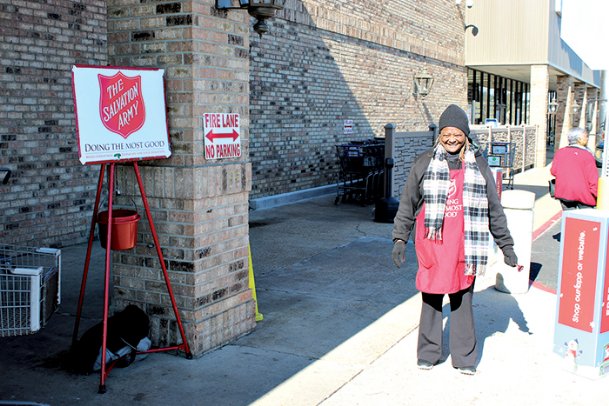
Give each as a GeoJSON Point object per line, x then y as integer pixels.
{"type": "Point", "coordinates": [121, 104]}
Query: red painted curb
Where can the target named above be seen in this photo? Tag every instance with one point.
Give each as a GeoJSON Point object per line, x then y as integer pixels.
{"type": "Point", "coordinates": [543, 287]}
{"type": "Point", "coordinates": [545, 226]}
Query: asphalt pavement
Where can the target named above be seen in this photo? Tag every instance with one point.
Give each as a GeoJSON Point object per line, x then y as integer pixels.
{"type": "Point", "coordinates": [544, 257]}
{"type": "Point", "coordinates": [339, 327]}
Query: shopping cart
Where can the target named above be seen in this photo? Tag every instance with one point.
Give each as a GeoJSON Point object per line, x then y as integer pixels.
{"type": "Point", "coordinates": [361, 171]}
{"type": "Point", "coordinates": [30, 288]}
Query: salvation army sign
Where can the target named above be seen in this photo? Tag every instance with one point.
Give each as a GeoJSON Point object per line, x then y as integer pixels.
{"type": "Point", "coordinates": [120, 114]}
{"type": "Point", "coordinates": [222, 135]}
{"type": "Point", "coordinates": [121, 105]}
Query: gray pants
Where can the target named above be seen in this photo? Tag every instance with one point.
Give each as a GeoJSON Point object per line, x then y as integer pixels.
{"type": "Point", "coordinates": [462, 333]}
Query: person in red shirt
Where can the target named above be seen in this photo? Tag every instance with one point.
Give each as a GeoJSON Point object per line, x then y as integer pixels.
{"type": "Point", "coordinates": [451, 196]}
{"type": "Point", "coordinates": [574, 168]}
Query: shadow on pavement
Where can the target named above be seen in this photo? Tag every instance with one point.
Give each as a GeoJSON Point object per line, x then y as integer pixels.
{"type": "Point", "coordinates": [493, 313]}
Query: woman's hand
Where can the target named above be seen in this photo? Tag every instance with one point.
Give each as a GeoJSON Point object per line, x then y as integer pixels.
{"type": "Point", "coordinates": [509, 256]}
{"type": "Point", "coordinates": [399, 252]}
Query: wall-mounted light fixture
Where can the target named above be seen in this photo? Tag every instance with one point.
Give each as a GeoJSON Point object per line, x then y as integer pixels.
{"type": "Point", "coordinates": [261, 10]}
{"type": "Point", "coordinates": [575, 116]}
{"type": "Point", "coordinates": [468, 3]}
{"type": "Point", "coordinates": [552, 106]}
{"type": "Point", "coordinates": [422, 84]}
{"type": "Point", "coordinates": [473, 27]}
{"type": "Point", "coordinates": [575, 106]}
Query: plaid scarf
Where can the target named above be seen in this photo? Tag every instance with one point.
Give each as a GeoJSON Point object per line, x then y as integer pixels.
{"type": "Point", "coordinates": [475, 207]}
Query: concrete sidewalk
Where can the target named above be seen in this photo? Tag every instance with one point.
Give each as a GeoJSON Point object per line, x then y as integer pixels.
{"type": "Point", "coordinates": [340, 328]}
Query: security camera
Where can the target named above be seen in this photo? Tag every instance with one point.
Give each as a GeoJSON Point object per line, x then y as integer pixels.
{"type": "Point", "coordinates": [469, 3]}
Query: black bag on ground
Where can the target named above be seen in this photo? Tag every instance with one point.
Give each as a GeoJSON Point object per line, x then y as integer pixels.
{"type": "Point", "coordinates": [126, 327]}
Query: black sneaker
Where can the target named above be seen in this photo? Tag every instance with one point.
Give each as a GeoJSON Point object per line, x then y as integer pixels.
{"type": "Point", "coordinates": [425, 365]}
{"type": "Point", "coordinates": [467, 370]}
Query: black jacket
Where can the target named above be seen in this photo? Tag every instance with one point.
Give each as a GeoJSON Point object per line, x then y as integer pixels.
{"type": "Point", "coordinates": [411, 201]}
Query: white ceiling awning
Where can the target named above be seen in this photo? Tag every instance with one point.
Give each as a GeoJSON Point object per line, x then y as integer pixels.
{"type": "Point", "coordinates": [585, 28]}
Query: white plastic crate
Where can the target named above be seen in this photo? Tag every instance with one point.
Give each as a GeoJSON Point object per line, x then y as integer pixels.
{"type": "Point", "coordinates": [30, 288]}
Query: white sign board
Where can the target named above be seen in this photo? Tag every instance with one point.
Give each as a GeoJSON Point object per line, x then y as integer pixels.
{"type": "Point", "coordinates": [222, 135]}
{"type": "Point", "coordinates": [348, 127]}
{"type": "Point", "coordinates": [120, 114]}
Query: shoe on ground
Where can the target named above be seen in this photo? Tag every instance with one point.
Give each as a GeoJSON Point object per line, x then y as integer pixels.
{"type": "Point", "coordinates": [467, 370]}
{"type": "Point", "coordinates": [425, 365]}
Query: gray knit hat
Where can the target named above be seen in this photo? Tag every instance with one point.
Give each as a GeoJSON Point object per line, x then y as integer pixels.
{"type": "Point", "coordinates": [454, 116]}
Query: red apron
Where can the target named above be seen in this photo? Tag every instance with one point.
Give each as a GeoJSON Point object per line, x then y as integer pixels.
{"type": "Point", "coordinates": [442, 263]}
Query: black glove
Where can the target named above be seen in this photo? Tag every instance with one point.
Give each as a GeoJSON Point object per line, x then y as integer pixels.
{"type": "Point", "coordinates": [509, 256]}
{"type": "Point", "coordinates": [399, 252]}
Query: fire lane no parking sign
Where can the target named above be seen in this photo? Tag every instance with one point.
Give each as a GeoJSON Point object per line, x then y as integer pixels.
{"type": "Point", "coordinates": [222, 135]}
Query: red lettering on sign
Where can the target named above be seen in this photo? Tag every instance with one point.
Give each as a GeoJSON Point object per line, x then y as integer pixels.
{"type": "Point", "coordinates": [230, 120]}
{"type": "Point", "coordinates": [210, 152]}
{"type": "Point", "coordinates": [228, 150]}
{"type": "Point", "coordinates": [219, 120]}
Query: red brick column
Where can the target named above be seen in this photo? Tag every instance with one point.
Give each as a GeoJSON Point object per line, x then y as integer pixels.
{"type": "Point", "coordinates": [200, 208]}
{"type": "Point", "coordinates": [564, 112]}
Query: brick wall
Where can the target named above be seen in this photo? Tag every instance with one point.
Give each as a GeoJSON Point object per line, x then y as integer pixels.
{"type": "Point", "coordinates": [199, 207]}
{"type": "Point", "coordinates": [48, 200]}
{"type": "Point", "coordinates": [325, 62]}
{"type": "Point", "coordinates": [564, 112]}
{"type": "Point", "coordinates": [322, 63]}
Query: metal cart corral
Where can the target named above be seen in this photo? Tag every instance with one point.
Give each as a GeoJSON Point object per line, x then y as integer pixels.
{"type": "Point", "coordinates": [30, 288]}
{"type": "Point", "coordinates": [361, 171]}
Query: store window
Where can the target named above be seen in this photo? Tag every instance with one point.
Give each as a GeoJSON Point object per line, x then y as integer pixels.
{"type": "Point", "coordinates": [493, 98]}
